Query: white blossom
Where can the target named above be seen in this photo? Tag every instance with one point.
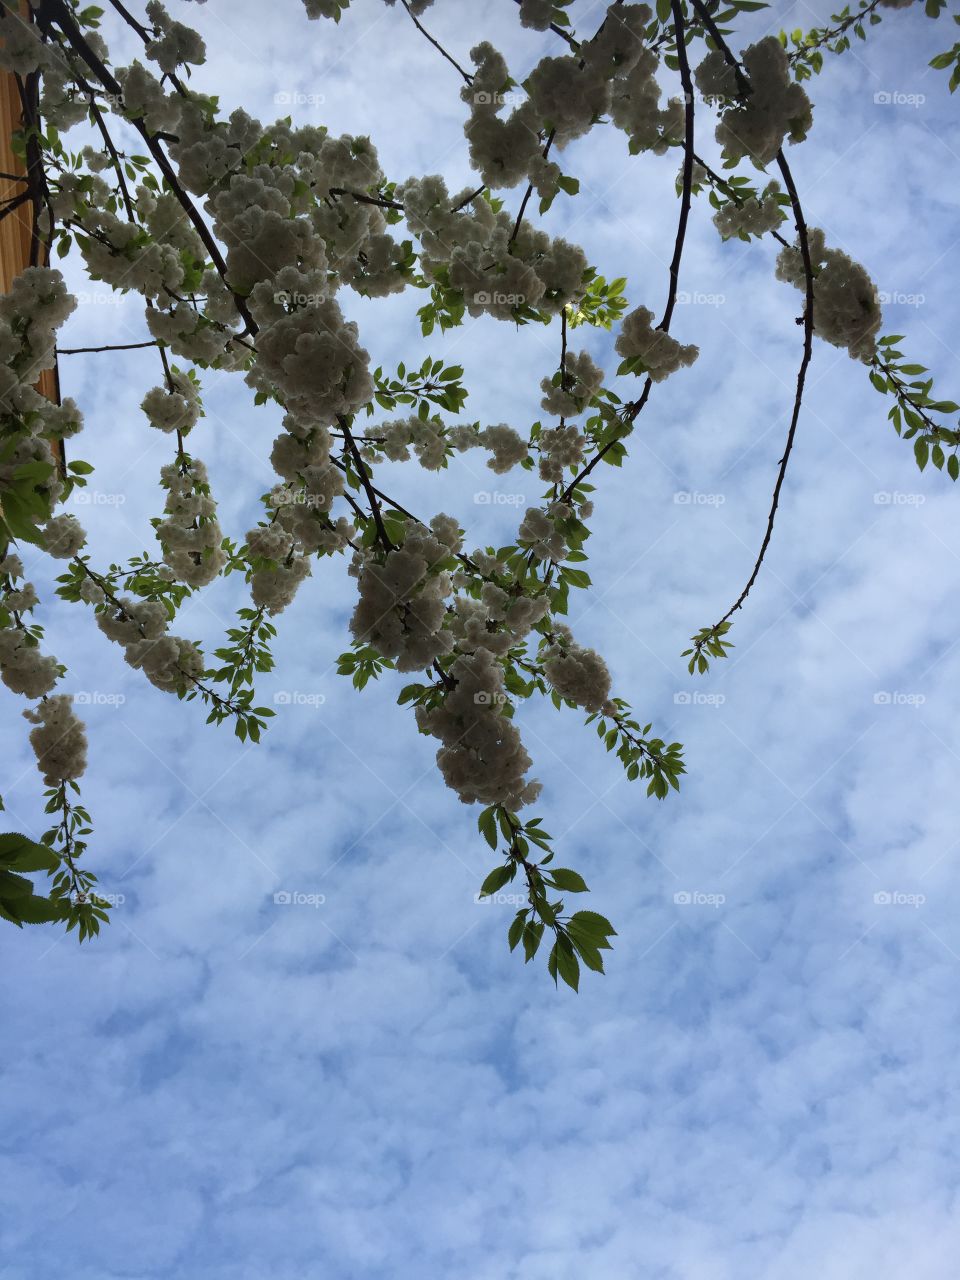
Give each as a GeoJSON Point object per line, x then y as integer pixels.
{"type": "Point", "coordinates": [59, 741]}
{"type": "Point", "coordinates": [659, 353]}
{"type": "Point", "coordinates": [63, 536]}
{"type": "Point", "coordinates": [482, 757]}
{"type": "Point", "coordinates": [580, 675]}
{"type": "Point", "coordinates": [757, 123]}
{"type": "Point", "coordinates": [846, 306]}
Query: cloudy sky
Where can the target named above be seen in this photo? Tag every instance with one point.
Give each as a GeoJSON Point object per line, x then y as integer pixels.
{"type": "Point", "coordinates": [366, 1085]}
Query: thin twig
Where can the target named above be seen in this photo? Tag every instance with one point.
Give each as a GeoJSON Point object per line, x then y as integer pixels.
{"type": "Point", "coordinates": [804, 243]}
{"type": "Point", "coordinates": [436, 43]}
{"type": "Point", "coordinates": [119, 346]}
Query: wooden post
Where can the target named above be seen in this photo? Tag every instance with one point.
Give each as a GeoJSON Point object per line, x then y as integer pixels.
{"type": "Point", "coordinates": [16, 230]}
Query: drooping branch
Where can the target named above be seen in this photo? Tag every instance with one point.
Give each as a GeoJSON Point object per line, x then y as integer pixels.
{"type": "Point", "coordinates": [468, 78]}
{"type": "Point", "coordinates": [804, 242]}
{"type": "Point", "coordinates": [635, 408]}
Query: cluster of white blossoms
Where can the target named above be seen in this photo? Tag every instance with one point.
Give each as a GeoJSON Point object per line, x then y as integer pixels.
{"type": "Point", "coordinates": [31, 311]}
{"type": "Point", "coordinates": [658, 353]}
{"type": "Point", "coordinates": [507, 446]}
{"type": "Point", "coordinates": [530, 269]}
{"type": "Point", "coordinates": [425, 435]}
{"type": "Point", "coordinates": [63, 536]}
{"type": "Point", "coordinates": [24, 668]}
{"type": "Point", "coordinates": [755, 124]}
{"type": "Point", "coordinates": [140, 626]}
{"type": "Point", "coordinates": [274, 586]}
{"type": "Point", "coordinates": [177, 45]}
{"type": "Point", "coordinates": [635, 105]}
{"type": "Point", "coordinates": [846, 305]}
{"type": "Point", "coordinates": [482, 757]}
{"type": "Point", "coordinates": [172, 410]}
{"type": "Point", "coordinates": [753, 216]}
{"type": "Point", "coordinates": [580, 675]}
{"type": "Point", "coordinates": [59, 741]}
{"type": "Point", "coordinates": [497, 620]}
{"type": "Point", "coordinates": [614, 75]}
{"type": "Point", "coordinates": [568, 395]}
{"type": "Point", "coordinates": [403, 595]}
{"type": "Point", "coordinates": [190, 533]}
{"type": "Point", "coordinates": [560, 447]}
{"type": "Point", "coordinates": [538, 531]}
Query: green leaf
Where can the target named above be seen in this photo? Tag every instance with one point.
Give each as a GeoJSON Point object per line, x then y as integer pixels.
{"type": "Point", "coordinates": [13, 886]}
{"type": "Point", "coordinates": [569, 881]}
{"type": "Point", "coordinates": [516, 929]}
{"type": "Point", "coordinates": [497, 878]}
{"type": "Point", "coordinates": [595, 926]}
{"type": "Point", "coordinates": [487, 825]}
{"type": "Point", "coordinates": [24, 854]}
{"type": "Point", "coordinates": [567, 964]}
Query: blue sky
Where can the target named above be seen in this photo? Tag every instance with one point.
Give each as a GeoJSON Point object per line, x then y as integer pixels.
{"type": "Point", "coordinates": [370, 1086]}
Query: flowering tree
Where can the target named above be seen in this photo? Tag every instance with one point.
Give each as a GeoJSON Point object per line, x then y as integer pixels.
{"type": "Point", "coordinates": [239, 236]}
